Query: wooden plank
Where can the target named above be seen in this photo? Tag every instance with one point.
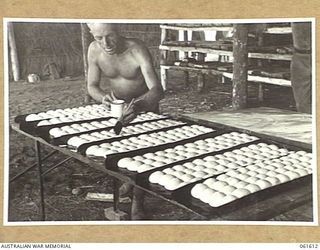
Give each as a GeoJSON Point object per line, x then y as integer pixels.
{"type": "Point", "coordinates": [285, 126]}
{"type": "Point", "coordinates": [196, 70]}
{"type": "Point", "coordinates": [105, 197]}
{"type": "Point", "coordinates": [219, 45]}
{"type": "Point", "coordinates": [275, 81]}
{"type": "Point", "coordinates": [271, 56]}
{"type": "Point", "coordinates": [278, 30]}
{"type": "Point", "coordinates": [196, 28]}
{"type": "Point", "coordinates": [263, 79]}
{"type": "Point", "coordinates": [195, 49]}
{"type": "Point", "coordinates": [240, 66]}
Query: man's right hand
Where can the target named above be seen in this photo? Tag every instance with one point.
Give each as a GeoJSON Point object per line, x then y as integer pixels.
{"type": "Point", "coordinates": [108, 99]}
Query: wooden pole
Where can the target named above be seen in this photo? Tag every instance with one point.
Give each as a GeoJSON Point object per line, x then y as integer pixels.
{"type": "Point", "coordinates": [201, 77]}
{"type": "Point", "coordinates": [163, 60]}
{"type": "Point", "coordinates": [85, 45]}
{"type": "Point", "coordinates": [240, 66]}
{"type": "Point", "coordinates": [186, 55]}
{"type": "Point", "coordinates": [199, 35]}
{"type": "Point", "coordinates": [259, 33]}
{"type": "Point", "coordinates": [13, 53]}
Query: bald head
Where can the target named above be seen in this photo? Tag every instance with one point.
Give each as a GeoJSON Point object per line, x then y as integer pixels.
{"type": "Point", "coordinates": [102, 27]}
{"type": "Point", "coordinates": [106, 34]}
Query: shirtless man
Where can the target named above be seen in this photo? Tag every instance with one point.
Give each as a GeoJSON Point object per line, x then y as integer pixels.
{"type": "Point", "coordinates": [127, 64]}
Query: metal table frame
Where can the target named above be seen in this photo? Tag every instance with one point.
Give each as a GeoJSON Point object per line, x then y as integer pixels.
{"type": "Point", "coordinates": [290, 199]}
{"type": "Point", "coordinates": [95, 164]}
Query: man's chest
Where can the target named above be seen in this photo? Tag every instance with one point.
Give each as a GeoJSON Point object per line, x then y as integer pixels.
{"type": "Point", "coordinates": [119, 66]}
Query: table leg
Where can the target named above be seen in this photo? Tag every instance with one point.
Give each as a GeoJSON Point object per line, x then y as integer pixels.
{"type": "Point", "coordinates": [164, 78]}
{"type": "Point", "coordinates": [39, 162]}
{"type": "Point", "coordinates": [186, 78]}
{"type": "Point", "coordinates": [260, 92]}
{"type": "Point", "coordinates": [114, 213]}
{"type": "Point", "coordinates": [29, 168]}
{"type": "Point", "coordinates": [116, 195]}
{"type": "Point", "coordinates": [201, 82]}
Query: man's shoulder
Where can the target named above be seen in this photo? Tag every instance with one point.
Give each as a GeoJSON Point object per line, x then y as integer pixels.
{"type": "Point", "coordinates": [134, 43]}
{"type": "Point", "coordinates": [137, 47]}
{"type": "Point", "coordinates": [93, 47]}
{"type": "Point", "coordinates": [93, 51]}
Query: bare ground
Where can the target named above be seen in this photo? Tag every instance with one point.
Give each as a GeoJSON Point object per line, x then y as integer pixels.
{"type": "Point", "coordinates": [61, 204]}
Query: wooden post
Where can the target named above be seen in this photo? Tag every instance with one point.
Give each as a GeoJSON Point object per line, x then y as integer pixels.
{"type": "Point", "coordinates": [85, 45]}
{"type": "Point", "coordinates": [201, 76]}
{"type": "Point", "coordinates": [13, 53]}
{"type": "Point", "coordinates": [163, 60]}
{"type": "Point", "coordinates": [260, 44]}
{"type": "Point", "coordinates": [199, 35]}
{"type": "Point", "coordinates": [240, 66]}
{"type": "Point", "coordinates": [186, 55]}
{"type": "Point", "coordinates": [221, 58]}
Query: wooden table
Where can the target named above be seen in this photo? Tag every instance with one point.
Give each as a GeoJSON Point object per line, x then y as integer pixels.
{"type": "Point", "coordinates": [267, 123]}
{"type": "Point", "coordinates": [97, 164]}
{"type": "Point", "coordinates": [281, 125]}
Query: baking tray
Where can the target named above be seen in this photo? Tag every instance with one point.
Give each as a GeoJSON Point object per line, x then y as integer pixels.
{"type": "Point", "coordinates": [142, 178]}
{"type": "Point", "coordinates": [62, 140]}
{"type": "Point", "coordinates": [184, 197]}
{"type": "Point", "coordinates": [82, 148]}
{"type": "Point", "coordinates": [183, 194]}
{"type": "Point", "coordinates": [43, 131]}
{"type": "Point", "coordinates": [21, 118]}
{"type": "Point", "coordinates": [112, 160]}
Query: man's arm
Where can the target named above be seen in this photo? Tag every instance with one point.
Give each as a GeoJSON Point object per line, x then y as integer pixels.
{"type": "Point", "coordinates": [94, 74]}
{"type": "Point", "coordinates": [150, 100]}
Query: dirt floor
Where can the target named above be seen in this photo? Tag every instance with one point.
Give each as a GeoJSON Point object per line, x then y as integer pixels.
{"type": "Point", "coordinates": [61, 204]}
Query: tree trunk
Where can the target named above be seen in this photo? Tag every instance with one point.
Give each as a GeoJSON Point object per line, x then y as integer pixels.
{"type": "Point", "coordinates": [13, 53]}
{"type": "Point", "coordinates": [85, 45]}
{"type": "Point", "coordinates": [240, 66]}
